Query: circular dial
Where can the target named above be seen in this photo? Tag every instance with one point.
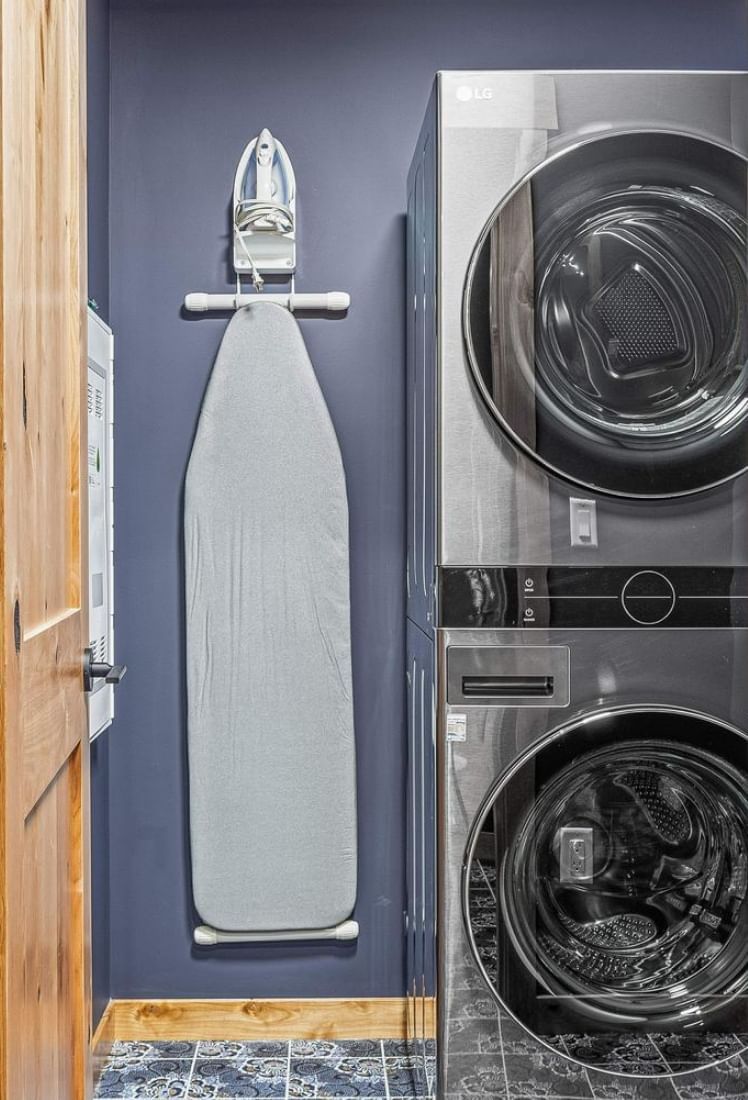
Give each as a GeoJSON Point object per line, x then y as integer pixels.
{"type": "Point", "coordinates": [648, 597]}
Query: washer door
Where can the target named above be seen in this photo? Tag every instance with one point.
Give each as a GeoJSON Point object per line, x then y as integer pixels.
{"type": "Point", "coordinates": [605, 890]}
{"type": "Point", "coordinates": [605, 315]}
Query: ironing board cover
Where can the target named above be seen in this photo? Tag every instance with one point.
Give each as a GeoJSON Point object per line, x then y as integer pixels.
{"type": "Point", "coordinates": [270, 716]}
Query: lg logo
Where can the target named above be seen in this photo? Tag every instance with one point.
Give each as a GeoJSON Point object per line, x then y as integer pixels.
{"type": "Point", "coordinates": [465, 93]}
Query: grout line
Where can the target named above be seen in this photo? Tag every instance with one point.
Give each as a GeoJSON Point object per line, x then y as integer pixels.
{"type": "Point", "coordinates": [192, 1069]}
{"type": "Point", "coordinates": [384, 1070]}
{"type": "Point", "coordinates": [485, 879]}
{"type": "Point", "coordinates": [674, 1082]}
{"type": "Point", "coordinates": [585, 1068]}
{"type": "Point", "coordinates": [666, 1062]}
{"type": "Point", "coordinates": [501, 1048]}
{"type": "Point", "coordinates": [288, 1068]}
{"type": "Point", "coordinates": [660, 1055]}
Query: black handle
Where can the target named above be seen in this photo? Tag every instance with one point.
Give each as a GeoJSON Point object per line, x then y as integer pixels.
{"type": "Point", "coordinates": [100, 670]}
{"type": "Point", "coordinates": [504, 686]}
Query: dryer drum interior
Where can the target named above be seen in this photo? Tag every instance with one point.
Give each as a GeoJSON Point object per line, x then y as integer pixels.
{"type": "Point", "coordinates": [616, 859]}
{"type": "Point", "coordinates": [606, 317]}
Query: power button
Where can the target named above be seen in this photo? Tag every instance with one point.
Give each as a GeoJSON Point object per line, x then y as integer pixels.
{"type": "Point", "coordinates": [648, 597]}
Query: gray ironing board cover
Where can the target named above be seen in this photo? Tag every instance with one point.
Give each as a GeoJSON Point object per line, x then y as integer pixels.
{"type": "Point", "coordinates": [270, 716]}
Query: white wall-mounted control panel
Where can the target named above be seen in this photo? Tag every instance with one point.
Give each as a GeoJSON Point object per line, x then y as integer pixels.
{"type": "Point", "coordinates": [100, 516]}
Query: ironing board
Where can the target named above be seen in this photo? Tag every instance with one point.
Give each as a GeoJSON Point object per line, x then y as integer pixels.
{"type": "Point", "coordinates": [270, 716]}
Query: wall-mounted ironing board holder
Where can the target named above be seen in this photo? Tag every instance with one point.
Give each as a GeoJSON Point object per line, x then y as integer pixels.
{"type": "Point", "coordinates": [264, 230]}
{"type": "Point", "coordinates": [335, 301]}
{"type": "Point", "coordinates": [264, 242]}
{"type": "Point", "coordinates": [205, 936]}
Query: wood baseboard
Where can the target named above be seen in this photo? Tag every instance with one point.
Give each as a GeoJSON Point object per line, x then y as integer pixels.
{"type": "Point", "coordinates": [376, 1018]}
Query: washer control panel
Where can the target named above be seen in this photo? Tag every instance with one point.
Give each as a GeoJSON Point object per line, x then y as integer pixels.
{"type": "Point", "coordinates": [593, 596]}
{"type": "Point", "coordinates": [648, 597]}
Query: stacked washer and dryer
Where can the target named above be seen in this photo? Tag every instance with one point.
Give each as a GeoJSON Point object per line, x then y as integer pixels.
{"type": "Point", "coordinates": [578, 585]}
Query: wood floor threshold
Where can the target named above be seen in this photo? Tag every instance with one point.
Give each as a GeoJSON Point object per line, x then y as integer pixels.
{"type": "Point", "coordinates": [328, 1018]}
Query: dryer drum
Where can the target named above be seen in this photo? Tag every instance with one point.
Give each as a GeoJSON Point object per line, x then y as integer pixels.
{"type": "Point", "coordinates": [651, 350]}
{"type": "Point", "coordinates": [606, 314]}
{"type": "Point", "coordinates": [621, 860]}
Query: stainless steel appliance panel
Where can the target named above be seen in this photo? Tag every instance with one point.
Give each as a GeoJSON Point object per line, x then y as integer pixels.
{"type": "Point", "coordinates": [496, 505]}
{"type": "Point", "coordinates": [699, 670]}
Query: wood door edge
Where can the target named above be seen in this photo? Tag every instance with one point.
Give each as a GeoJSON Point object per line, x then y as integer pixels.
{"type": "Point", "coordinates": [101, 1043]}
{"type": "Point", "coordinates": [237, 1020]}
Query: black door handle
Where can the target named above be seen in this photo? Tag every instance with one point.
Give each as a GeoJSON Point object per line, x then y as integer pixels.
{"type": "Point", "coordinates": [100, 670]}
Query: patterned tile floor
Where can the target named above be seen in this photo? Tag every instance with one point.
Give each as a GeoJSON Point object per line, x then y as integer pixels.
{"type": "Point", "coordinates": [377, 1070]}
{"type": "Point", "coordinates": [299, 1070]}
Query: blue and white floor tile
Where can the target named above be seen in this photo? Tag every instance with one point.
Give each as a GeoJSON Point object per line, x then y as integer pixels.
{"type": "Point", "coordinates": [225, 1070]}
{"type": "Point", "coordinates": [382, 1070]}
{"type": "Point", "coordinates": [226, 1048]}
{"type": "Point", "coordinates": [238, 1077]}
{"type": "Point", "coordinates": [159, 1078]}
{"type": "Point", "coordinates": [329, 1048]}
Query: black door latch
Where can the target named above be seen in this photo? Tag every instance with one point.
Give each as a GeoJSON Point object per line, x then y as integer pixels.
{"type": "Point", "coordinates": [99, 670]}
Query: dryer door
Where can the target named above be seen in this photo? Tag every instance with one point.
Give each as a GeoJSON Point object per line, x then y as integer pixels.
{"type": "Point", "coordinates": [605, 314]}
{"type": "Point", "coordinates": [620, 864]}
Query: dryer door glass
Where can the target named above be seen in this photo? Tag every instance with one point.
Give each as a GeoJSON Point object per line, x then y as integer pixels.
{"type": "Point", "coordinates": [620, 876]}
{"type": "Point", "coordinates": [606, 319]}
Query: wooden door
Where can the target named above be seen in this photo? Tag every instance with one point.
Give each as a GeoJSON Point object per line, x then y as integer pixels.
{"type": "Point", "coordinates": [44, 937]}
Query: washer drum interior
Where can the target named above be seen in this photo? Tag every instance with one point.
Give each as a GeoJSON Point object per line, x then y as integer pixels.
{"type": "Point", "coordinates": [620, 871]}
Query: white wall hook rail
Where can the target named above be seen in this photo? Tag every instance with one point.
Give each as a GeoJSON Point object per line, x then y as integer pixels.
{"type": "Point", "coordinates": [335, 300]}
{"type": "Point", "coordinates": [205, 936]}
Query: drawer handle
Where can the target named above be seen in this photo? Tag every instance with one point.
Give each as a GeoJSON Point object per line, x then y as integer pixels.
{"type": "Point", "coordinates": [506, 686]}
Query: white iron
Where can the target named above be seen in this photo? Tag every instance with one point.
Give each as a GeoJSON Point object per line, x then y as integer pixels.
{"type": "Point", "coordinates": [264, 211]}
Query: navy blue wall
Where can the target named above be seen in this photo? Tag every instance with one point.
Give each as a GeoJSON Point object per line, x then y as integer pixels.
{"type": "Point", "coordinates": [98, 71]}
{"type": "Point", "coordinates": [344, 84]}
{"type": "Point", "coordinates": [98, 290]}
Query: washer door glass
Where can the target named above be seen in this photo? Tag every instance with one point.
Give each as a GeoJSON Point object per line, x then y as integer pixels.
{"type": "Point", "coordinates": [605, 891]}
{"type": "Point", "coordinates": [606, 317]}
